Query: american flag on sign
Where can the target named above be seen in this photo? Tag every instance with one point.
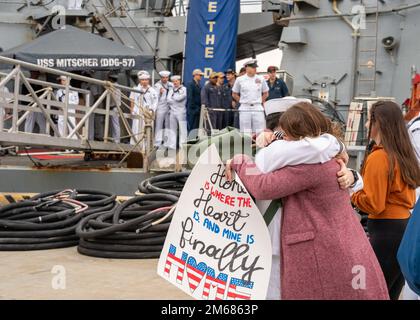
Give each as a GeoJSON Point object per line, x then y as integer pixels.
{"type": "Point", "coordinates": [233, 293]}
{"type": "Point", "coordinates": [195, 273]}
{"type": "Point", "coordinates": [211, 280]}
{"type": "Point", "coordinates": [180, 263]}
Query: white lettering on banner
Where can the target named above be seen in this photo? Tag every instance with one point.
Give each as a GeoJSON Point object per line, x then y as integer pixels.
{"type": "Point", "coordinates": [213, 6]}
{"type": "Point", "coordinates": [46, 63]}
{"type": "Point", "coordinates": [86, 62]}
{"type": "Point", "coordinates": [211, 25]}
{"type": "Point", "coordinates": [210, 38]}
{"type": "Point", "coordinates": [218, 246]}
{"type": "Point", "coordinates": [209, 52]}
{"type": "Point", "coordinates": [76, 62]}
{"type": "Point", "coordinates": [60, 63]}
{"type": "Point", "coordinates": [115, 62]}
{"type": "Point", "coordinates": [207, 72]}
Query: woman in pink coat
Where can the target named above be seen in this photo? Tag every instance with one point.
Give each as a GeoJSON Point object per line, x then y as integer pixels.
{"type": "Point", "coordinates": [325, 253]}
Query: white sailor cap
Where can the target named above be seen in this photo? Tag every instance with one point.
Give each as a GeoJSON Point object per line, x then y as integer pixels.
{"type": "Point", "coordinates": [144, 76]}
{"type": "Point", "coordinates": [173, 78]}
{"type": "Point", "coordinates": [198, 71]}
{"type": "Point", "coordinates": [141, 72]}
{"type": "Point", "coordinates": [165, 73]}
{"type": "Point", "coordinates": [282, 104]}
{"type": "Point", "coordinates": [251, 63]}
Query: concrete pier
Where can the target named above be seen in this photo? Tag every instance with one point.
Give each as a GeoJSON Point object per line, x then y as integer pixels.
{"type": "Point", "coordinates": [37, 275]}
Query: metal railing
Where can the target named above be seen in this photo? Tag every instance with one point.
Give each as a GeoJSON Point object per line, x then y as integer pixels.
{"type": "Point", "coordinates": [16, 107]}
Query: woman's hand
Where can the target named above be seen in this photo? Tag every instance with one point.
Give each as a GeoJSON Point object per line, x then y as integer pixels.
{"type": "Point", "coordinates": [264, 139]}
{"type": "Point", "coordinates": [344, 157]}
{"type": "Point", "coordinates": [229, 171]}
{"type": "Point", "coordinates": [345, 176]}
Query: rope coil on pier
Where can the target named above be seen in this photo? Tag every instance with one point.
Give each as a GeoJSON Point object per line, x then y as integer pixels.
{"type": "Point", "coordinates": [94, 220]}
{"type": "Point", "coordinates": [169, 183]}
{"type": "Point", "coordinates": [135, 229]}
{"type": "Point", "coordinates": [49, 220]}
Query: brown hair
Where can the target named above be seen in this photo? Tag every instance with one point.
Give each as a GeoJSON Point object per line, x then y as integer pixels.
{"type": "Point", "coordinates": [305, 120]}
{"type": "Point", "coordinates": [272, 120]}
{"type": "Point", "coordinates": [390, 123]}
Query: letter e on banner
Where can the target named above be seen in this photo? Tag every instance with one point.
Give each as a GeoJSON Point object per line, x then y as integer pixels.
{"type": "Point", "coordinates": [213, 6]}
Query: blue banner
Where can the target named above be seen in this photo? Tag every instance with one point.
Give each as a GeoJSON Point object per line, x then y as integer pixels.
{"type": "Point", "coordinates": [212, 28]}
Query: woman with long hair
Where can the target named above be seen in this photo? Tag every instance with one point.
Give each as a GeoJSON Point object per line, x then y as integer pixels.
{"type": "Point", "coordinates": [276, 153]}
{"type": "Point", "coordinates": [325, 253]}
{"type": "Point", "coordinates": [391, 174]}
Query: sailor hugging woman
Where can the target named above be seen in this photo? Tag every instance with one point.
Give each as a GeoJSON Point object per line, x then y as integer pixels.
{"type": "Point", "coordinates": [320, 249]}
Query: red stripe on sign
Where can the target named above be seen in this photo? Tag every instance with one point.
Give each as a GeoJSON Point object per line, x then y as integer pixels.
{"type": "Point", "coordinates": [215, 280]}
{"type": "Point", "coordinates": [176, 259]}
{"type": "Point", "coordinates": [190, 275]}
{"type": "Point", "coordinates": [238, 296]}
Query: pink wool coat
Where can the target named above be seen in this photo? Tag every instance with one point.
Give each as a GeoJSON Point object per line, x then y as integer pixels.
{"type": "Point", "coordinates": [325, 253]}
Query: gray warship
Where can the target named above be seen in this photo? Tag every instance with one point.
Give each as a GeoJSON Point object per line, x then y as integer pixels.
{"type": "Point", "coordinates": [343, 54]}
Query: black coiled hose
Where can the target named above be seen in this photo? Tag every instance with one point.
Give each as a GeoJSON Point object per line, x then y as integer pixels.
{"type": "Point", "coordinates": [135, 229]}
{"type": "Point", "coordinates": [49, 220]}
{"type": "Point", "coordinates": [169, 183]}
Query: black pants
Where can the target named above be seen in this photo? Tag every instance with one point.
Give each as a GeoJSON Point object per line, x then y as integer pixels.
{"type": "Point", "coordinates": [385, 238]}
{"type": "Point", "coordinates": [193, 119]}
{"type": "Point", "coordinates": [216, 119]}
{"type": "Point", "coordinates": [228, 118]}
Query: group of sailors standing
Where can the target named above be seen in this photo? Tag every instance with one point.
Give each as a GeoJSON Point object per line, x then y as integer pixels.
{"type": "Point", "coordinates": [234, 100]}
{"type": "Point", "coordinates": [167, 100]}
{"type": "Point", "coordinates": [231, 100]}
{"type": "Point", "coordinates": [36, 118]}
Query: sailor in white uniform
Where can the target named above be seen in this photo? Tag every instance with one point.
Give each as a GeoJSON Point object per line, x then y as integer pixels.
{"type": "Point", "coordinates": [34, 118]}
{"type": "Point", "coordinates": [413, 127]}
{"type": "Point", "coordinates": [3, 102]}
{"type": "Point", "coordinates": [162, 87]}
{"type": "Point", "coordinates": [73, 101]}
{"type": "Point", "coordinates": [74, 4]}
{"type": "Point", "coordinates": [115, 104]}
{"type": "Point", "coordinates": [177, 100]}
{"type": "Point", "coordinates": [251, 91]}
{"type": "Point", "coordinates": [147, 100]}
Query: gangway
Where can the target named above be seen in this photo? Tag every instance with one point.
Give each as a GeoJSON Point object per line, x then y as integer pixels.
{"type": "Point", "coordinates": [19, 106]}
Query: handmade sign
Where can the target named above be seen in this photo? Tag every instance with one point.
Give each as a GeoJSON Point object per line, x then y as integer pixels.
{"type": "Point", "coordinates": [218, 245]}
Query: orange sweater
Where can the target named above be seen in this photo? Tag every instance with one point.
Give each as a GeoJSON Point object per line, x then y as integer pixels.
{"type": "Point", "coordinates": [380, 198]}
